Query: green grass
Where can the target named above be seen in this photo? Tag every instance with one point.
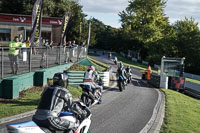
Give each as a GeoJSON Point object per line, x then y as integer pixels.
{"type": "Point", "coordinates": [28, 101]}
{"type": "Point", "coordinates": [193, 80]}
{"type": "Point", "coordinates": [133, 64]}
{"type": "Point", "coordinates": [181, 114]}
{"type": "Point", "coordinates": [76, 92]}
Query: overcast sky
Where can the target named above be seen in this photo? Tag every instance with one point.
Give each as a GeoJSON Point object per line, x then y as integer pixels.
{"type": "Point", "coordinates": [107, 10]}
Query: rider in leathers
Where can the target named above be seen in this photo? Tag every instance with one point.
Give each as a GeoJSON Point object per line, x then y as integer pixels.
{"type": "Point", "coordinates": [121, 71]}
{"type": "Point", "coordinates": [128, 70]}
{"type": "Point", "coordinates": [89, 78]}
{"type": "Point", "coordinates": [54, 99]}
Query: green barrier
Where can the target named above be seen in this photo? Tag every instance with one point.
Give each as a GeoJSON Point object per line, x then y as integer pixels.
{"type": "Point", "coordinates": [40, 77]}
{"type": "Point", "coordinates": [1, 90]}
{"type": "Point", "coordinates": [11, 86]}
{"type": "Point", "coordinates": [84, 62]}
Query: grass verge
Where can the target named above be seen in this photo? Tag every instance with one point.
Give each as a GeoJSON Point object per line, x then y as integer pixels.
{"type": "Point", "coordinates": [133, 64]}
{"type": "Point", "coordinates": [181, 113]}
{"type": "Point", "coordinates": [28, 101]}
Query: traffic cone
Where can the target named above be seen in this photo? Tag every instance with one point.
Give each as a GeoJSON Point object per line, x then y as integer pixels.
{"type": "Point", "coordinates": [149, 68]}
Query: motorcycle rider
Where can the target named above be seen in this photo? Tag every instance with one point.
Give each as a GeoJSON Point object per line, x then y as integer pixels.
{"type": "Point", "coordinates": [115, 60]}
{"type": "Point", "coordinates": [90, 76]}
{"type": "Point", "coordinates": [128, 70]}
{"type": "Point", "coordinates": [54, 100]}
{"type": "Point", "coordinates": [121, 71]}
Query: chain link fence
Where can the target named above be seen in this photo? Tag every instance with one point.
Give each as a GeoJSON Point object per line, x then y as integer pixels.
{"type": "Point", "coordinates": [36, 58]}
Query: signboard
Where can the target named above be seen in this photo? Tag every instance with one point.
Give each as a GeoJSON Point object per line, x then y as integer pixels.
{"type": "Point", "coordinates": [28, 19]}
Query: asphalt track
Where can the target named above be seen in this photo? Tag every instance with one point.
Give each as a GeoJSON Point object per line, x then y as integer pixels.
{"type": "Point", "coordinates": [120, 112]}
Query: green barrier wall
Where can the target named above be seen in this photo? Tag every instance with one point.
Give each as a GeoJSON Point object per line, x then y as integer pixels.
{"type": "Point", "coordinates": [84, 62]}
{"type": "Point", "coordinates": [40, 76]}
{"type": "Point", "coordinates": [11, 86]}
{"type": "Point", "coordinates": [1, 92]}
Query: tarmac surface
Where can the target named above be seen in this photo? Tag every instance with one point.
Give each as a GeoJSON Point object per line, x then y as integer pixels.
{"type": "Point", "coordinates": [138, 109]}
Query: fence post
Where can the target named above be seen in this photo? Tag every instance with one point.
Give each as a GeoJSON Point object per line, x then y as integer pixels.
{"type": "Point", "coordinates": [46, 57]}
{"type": "Point", "coordinates": [2, 60]}
{"type": "Point", "coordinates": [30, 58]}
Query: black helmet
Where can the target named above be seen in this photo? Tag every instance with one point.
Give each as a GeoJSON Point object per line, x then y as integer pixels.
{"type": "Point", "coordinates": [60, 79]}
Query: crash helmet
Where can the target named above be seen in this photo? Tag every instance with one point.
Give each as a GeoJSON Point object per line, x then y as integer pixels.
{"type": "Point", "coordinates": [60, 79]}
{"type": "Point", "coordinates": [91, 68]}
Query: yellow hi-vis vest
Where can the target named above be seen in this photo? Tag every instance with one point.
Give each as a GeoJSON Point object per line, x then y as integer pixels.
{"type": "Point", "coordinates": [14, 51]}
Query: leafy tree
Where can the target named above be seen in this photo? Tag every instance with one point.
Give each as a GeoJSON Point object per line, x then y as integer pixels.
{"type": "Point", "coordinates": [188, 43]}
{"type": "Point", "coordinates": [51, 8]}
{"type": "Point", "coordinates": [144, 21]}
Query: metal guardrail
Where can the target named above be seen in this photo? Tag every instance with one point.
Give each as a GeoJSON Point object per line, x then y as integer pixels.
{"type": "Point", "coordinates": [34, 58]}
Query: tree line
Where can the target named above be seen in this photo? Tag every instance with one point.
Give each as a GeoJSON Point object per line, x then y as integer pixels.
{"type": "Point", "coordinates": [144, 29]}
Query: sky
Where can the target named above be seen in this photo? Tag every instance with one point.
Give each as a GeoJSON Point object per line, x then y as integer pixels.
{"type": "Point", "coordinates": [107, 10]}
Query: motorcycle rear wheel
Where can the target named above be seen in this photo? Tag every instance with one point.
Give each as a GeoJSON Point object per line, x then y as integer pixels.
{"type": "Point", "coordinates": [86, 100]}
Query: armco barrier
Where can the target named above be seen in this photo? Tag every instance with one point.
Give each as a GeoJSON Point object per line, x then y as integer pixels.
{"type": "Point", "coordinates": [76, 77]}
{"type": "Point", "coordinates": [155, 80]}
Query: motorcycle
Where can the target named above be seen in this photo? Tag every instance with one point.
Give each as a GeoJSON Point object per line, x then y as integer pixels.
{"type": "Point", "coordinates": [90, 96]}
{"type": "Point", "coordinates": [121, 83]}
{"type": "Point", "coordinates": [129, 77]}
{"type": "Point", "coordinates": [115, 62]}
{"type": "Point", "coordinates": [32, 127]}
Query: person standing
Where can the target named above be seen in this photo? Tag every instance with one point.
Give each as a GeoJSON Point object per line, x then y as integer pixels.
{"type": "Point", "coordinates": [13, 54]}
{"type": "Point", "coordinates": [45, 45]}
{"type": "Point", "coordinates": [67, 52]}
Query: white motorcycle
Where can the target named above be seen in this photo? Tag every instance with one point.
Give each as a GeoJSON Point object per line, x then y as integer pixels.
{"type": "Point", "coordinates": [32, 127]}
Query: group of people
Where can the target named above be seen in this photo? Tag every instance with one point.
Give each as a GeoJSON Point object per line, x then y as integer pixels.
{"type": "Point", "coordinates": [56, 98]}
{"type": "Point", "coordinates": [18, 49]}
{"type": "Point", "coordinates": [15, 52]}
{"type": "Point", "coordinates": [68, 51]}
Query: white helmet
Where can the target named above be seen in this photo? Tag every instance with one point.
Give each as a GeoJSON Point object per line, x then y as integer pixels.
{"type": "Point", "coordinates": [92, 68]}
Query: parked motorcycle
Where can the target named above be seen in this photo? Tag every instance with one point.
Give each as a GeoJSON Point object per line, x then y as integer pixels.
{"type": "Point", "coordinates": [121, 83]}
{"type": "Point", "coordinates": [90, 96]}
{"type": "Point", "coordinates": [32, 127]}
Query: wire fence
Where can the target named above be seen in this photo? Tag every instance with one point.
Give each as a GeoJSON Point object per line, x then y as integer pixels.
{"type": "Point", "coordinates": [35, 58]}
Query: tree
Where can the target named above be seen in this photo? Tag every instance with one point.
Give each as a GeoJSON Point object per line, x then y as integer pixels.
{"type": "Point", "coordinates": [144, 21]}
{"type": "Point", "coordinates": [51, 8]}
{"type": "Point", "coordinates": [188, 43]}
